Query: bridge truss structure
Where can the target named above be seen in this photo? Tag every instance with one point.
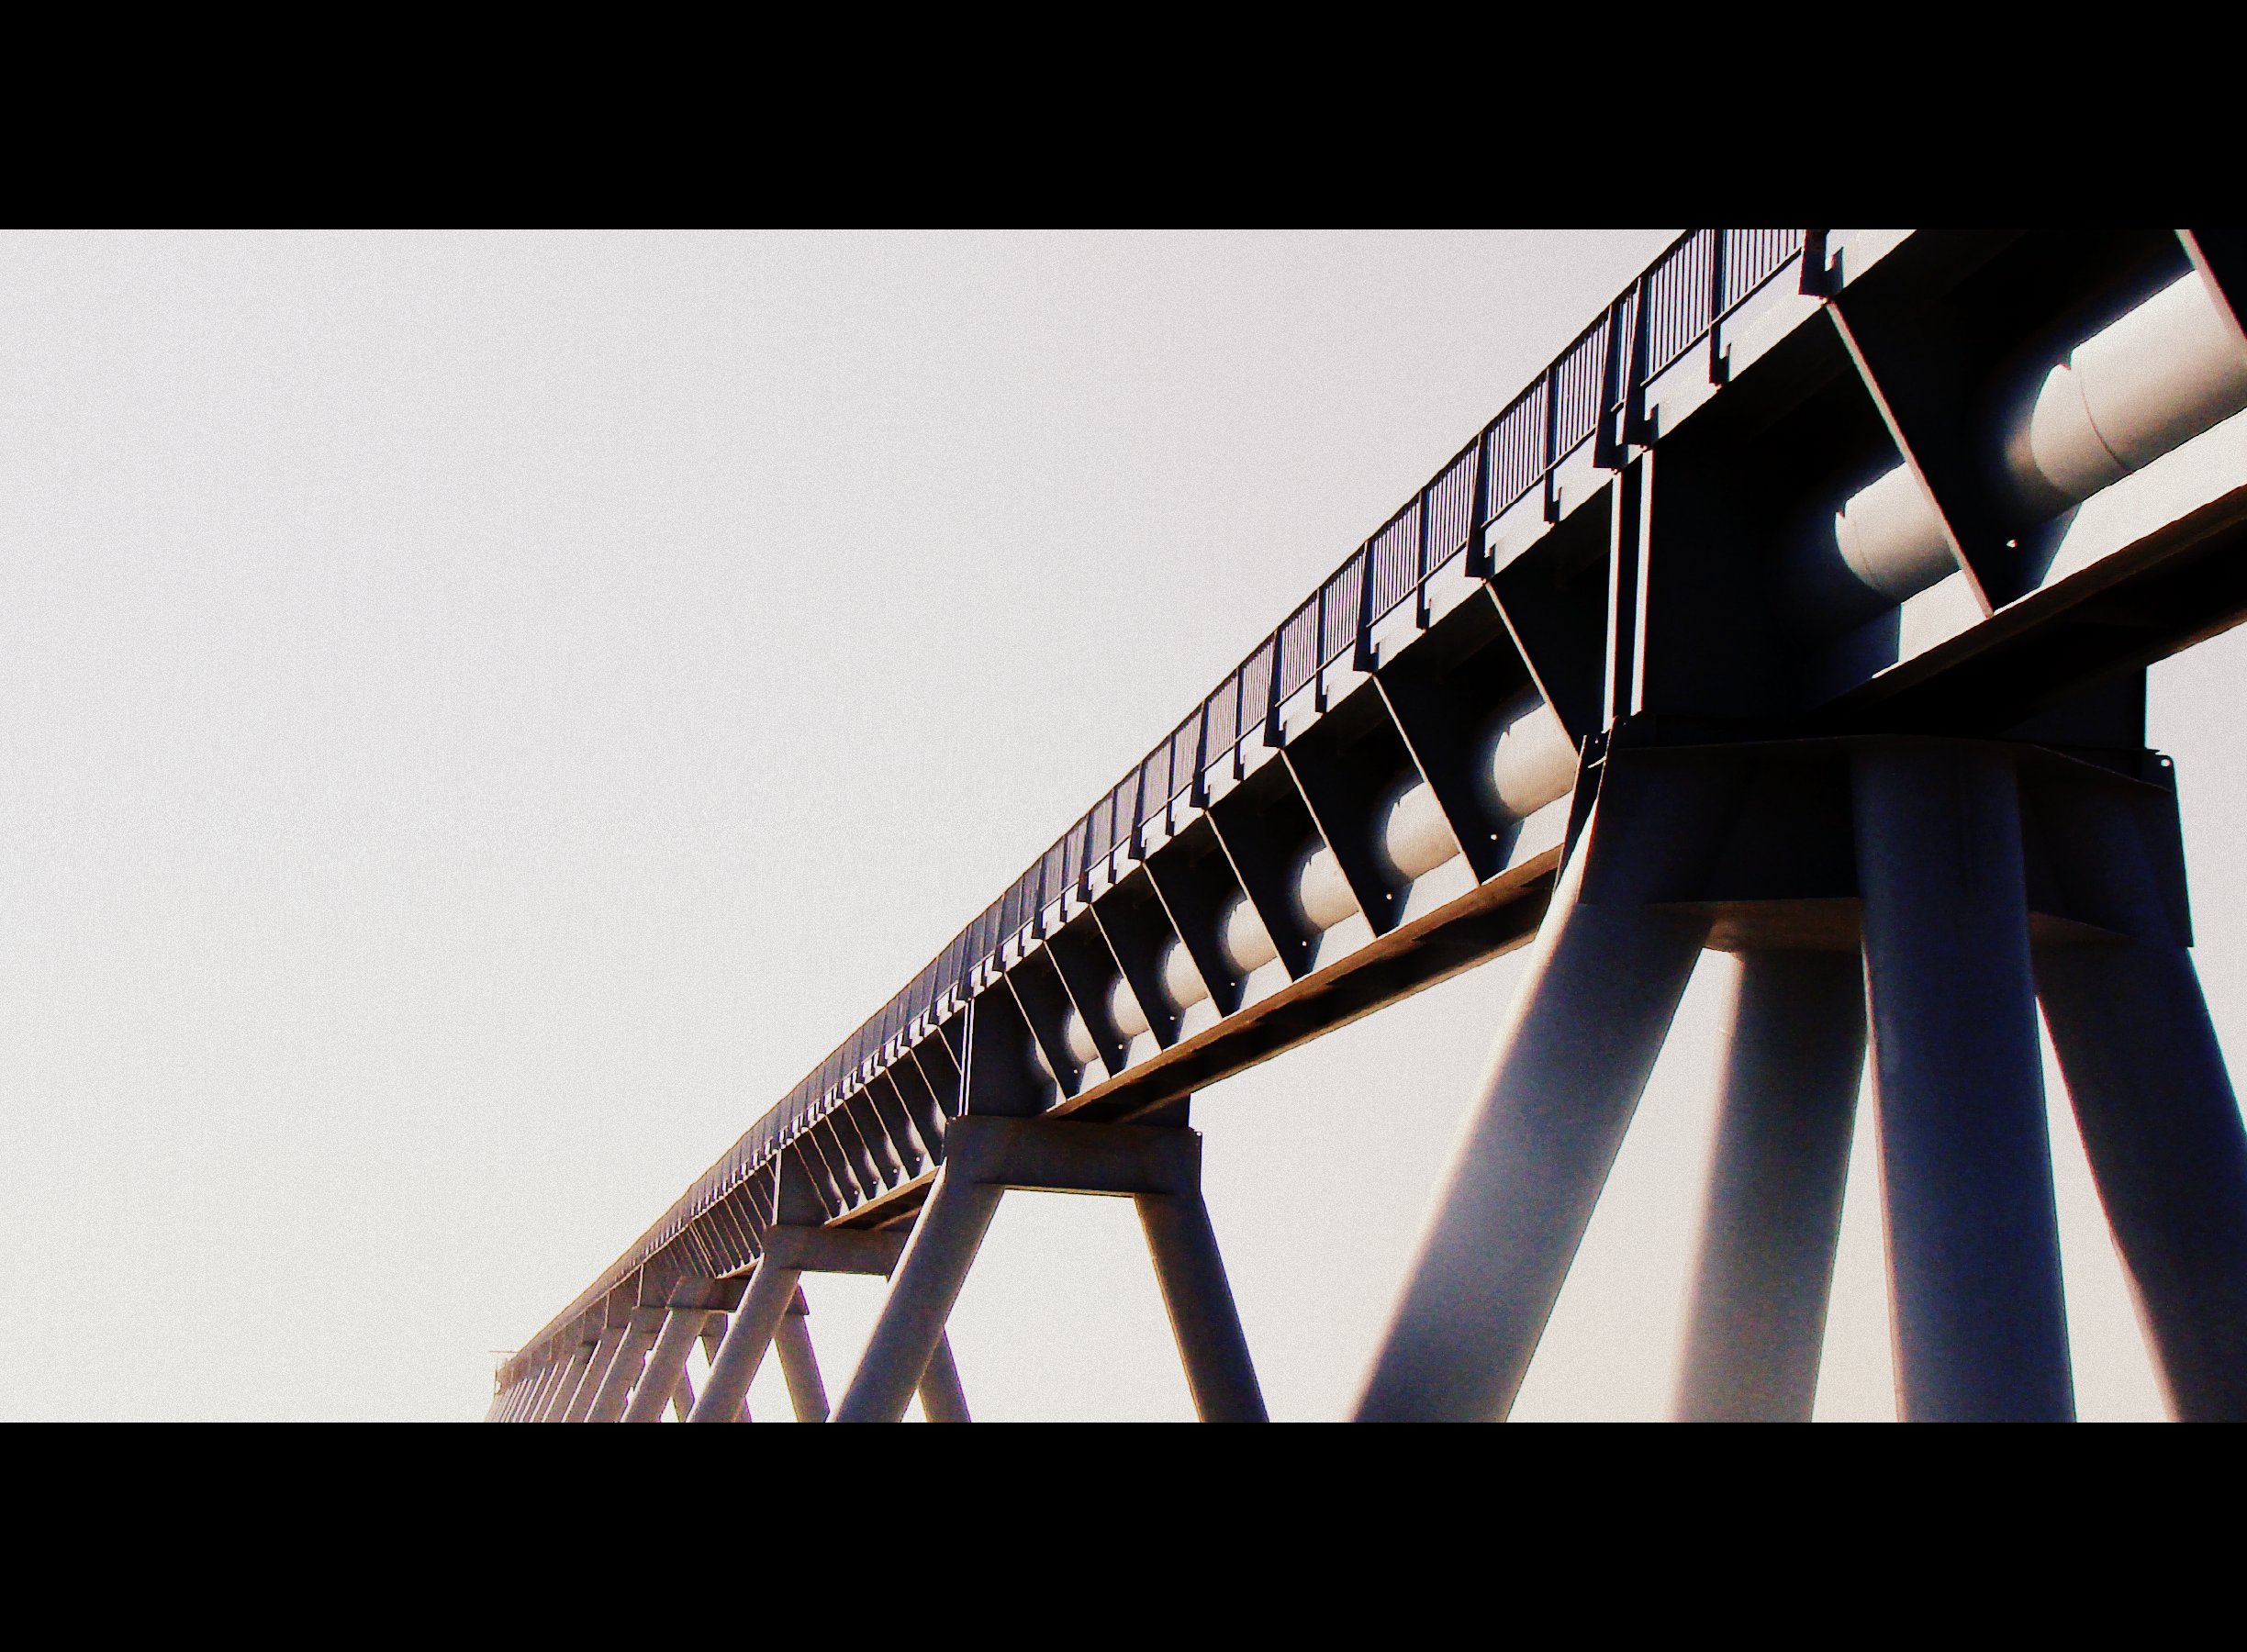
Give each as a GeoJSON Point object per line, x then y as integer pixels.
{"type": "Point", "coordinates": [1801, 610]}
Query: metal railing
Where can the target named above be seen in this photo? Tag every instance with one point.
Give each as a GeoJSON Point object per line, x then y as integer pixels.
{"type": "Point", "coordinates": [1593, 391]}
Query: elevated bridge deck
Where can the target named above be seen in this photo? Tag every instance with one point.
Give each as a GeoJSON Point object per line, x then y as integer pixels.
{"type": "Point", "coordinates": [1792, 496]}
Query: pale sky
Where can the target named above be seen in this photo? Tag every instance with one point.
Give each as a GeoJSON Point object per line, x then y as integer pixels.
{"type": "Point", "coordinates": [482, 715]}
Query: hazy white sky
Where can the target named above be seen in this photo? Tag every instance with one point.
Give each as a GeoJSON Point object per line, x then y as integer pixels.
{"type": "Point", "coordinates": [481, 716]}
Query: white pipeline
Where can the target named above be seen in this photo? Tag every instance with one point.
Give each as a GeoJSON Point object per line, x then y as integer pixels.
{"type": "Point", "coordinates": [1524, 761]}
{"type": "Point", "coordinates": [2171, 368]}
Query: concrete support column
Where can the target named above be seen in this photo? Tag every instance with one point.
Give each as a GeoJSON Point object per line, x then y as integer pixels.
{"type": "Point", "coordinates": [1601, 986]}
{"type": "Point", "coordinates": [595, 1366]}
{"type": "Point", "coordinates": [725, 1394]}
{"type": "Point", "coordinates": [683, 1400]}
{"type": "Point", "coordinates": [616, 1386]}
{"type": "Point", "coordinates": [541, 1405]}
{"type": "Point", "coordinates": [942, 1400]}
{"type": "Point", "coordinates": [1974, 1245]}
{"type": "Point", "coordinates": [928, 1281]}
{"type": "Point", "coordinates": [667, 1366]}
{"type": "Point", "coordinates": [1796, 1059]}
{"type": "Point", "coordinates": [1158, 1166]}
{"type": "Point", "coordinates": [542, 1397]}
{"type": "Point", "coordinates": [1203, 1319]}
{"type": "Point", "coordinates": [568, 1368]}
{"type": "Point", "coordinates": [807, 1391]}
{"type": "Point", "coordinates": [2161, 1125]}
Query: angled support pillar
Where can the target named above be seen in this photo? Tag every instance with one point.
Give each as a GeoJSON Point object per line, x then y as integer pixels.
{"type": "Point", "coordinates": [1198, 1299]}
{"type": "Point", "coordinates": [1974, 1245]}
{"type": "Point", "coordinates": [1603, 984]}
{"type": "Point", "coordinates": [569, 1372]}
{"type": "Point", "coordinates": [527, 1395]}
{"type": "Point", "coordinates": [599, 1359]}
{"type": "Point", "coordinates": [2160, 1124]}
{"type": "Point", "coordinates": [1757, 1324]}
{"type": "Point", "coordinates": [713, 1332]}
{"type": "Point", "coordinates": [559, 1376]}
{"type": "Point", "coordinates": [927, 1282]}
{"type": "Point", "coordinates": [791, 1250]}
{"type": "Point", "coordinates": [667, 1365]}
{"type": "Point", "coordinates": [616, 1386]}
{"type": "Point", "coordinates": [549, 1380]}
{"type": "Point", "coordinates": [942, 1400]}
{"type": "Point", "coordinates": [1158, 1166]}
{"type": "Point", "coordinates": [691, 1303]}
{"type": "Point", "coordinates": [726, 1393]}
{"type": "Point", "coordinates": [798, 1365]}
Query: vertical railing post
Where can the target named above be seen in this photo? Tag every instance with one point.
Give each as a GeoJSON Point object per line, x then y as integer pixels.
{"type": "Point", "coordinates": [1420, 601]}
{"type": "Point", "coordinates": [1478, 504]}
{"type": "Point", "coordinates": [1240, 715]}
{"type": "Point", "coordinates": [1272, 696]}
{"type": "Point", "coordinates": [1607, 435]}
{"type": "Point", "coordinates": [1197, 792]}
{"type": "Point", "coordinates": [1815, 276]}
{"type": "Point", "coordinates": [1636, 432]}
{"type": "Point", "coordinates": [1552, 441]}
{"type": "Point", "coordinates": [1363, 658]}
{"type": "Point", "coordinates": [1718, 369]}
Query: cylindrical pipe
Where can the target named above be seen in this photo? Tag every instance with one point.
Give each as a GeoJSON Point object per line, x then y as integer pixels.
{"type": "Point", "coordinates": [1242, 939]}
{"type": "Point", "coordinates": [1411, 837]}
{"type": "Point", "coordinates": [1974, 1241]}
{"type": "Point", "coordinates": [1861, 554]}
{"type": "Point", "coordinates": [2138, 388]}
{"type": "Point", "coordinates": [1125, 1011]}
{"type": "Point", "coordinates": [1757, 1324]}
{"type": "Point", "coordinates": [1525, 759]}
{"type": "Point", "coordinates": [2170, 369]}
{"type": "Point", "coordinates": [1182, 986]}
{"type": "Point", "coordinates": [1077, 1038]}
{"type": "Point", "coordinates": [1316, 889]}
